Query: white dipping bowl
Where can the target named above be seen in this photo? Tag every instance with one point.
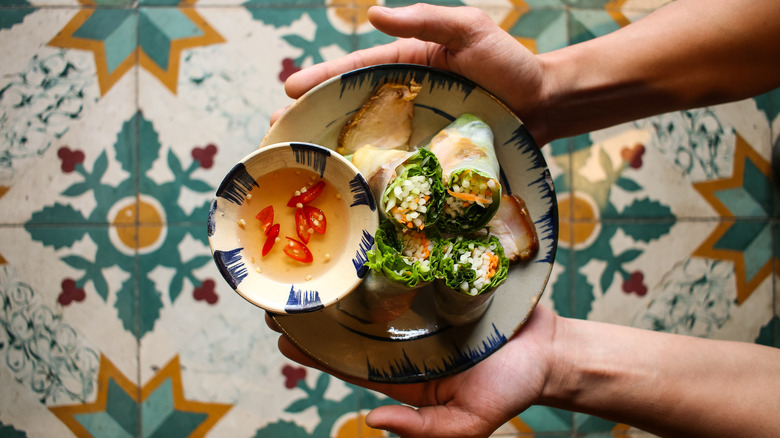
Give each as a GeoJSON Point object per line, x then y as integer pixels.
{"type": "Point", "coordinates": [232, 214]}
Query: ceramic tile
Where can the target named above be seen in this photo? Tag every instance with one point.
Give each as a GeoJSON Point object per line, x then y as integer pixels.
{"type": "Point", "coordinates": [59, 328]}
{"type": "Point", "coordinates": [118, 122]}
{"type": "Point", "coordinates": [48, 142]}
{"type": "Point", "coordinates": [708, 162]}
{"type": "Point", "coordinates": [666, 282]}
{"type": "Point", "coordinates": [539, 29]}
{"type": "Point", "coordinates": [586, 24]}
{"type": "Point", "coordinates": [587, 4]}
{"type": "Point", "coordinates": [13, 14]}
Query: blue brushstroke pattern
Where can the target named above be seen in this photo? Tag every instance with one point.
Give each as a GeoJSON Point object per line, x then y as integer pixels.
{"type": "Point", "coordinates": [212, 212]}
{"type": "Point", "coordinates": [461, 358]}
{"type": "Point", "coordinates": [404, 370]}
{"type": "Point", "coordinates": [366, 242]}
{"type": "Point", "coordinates": [310, 155]}
{"type": "Point", "coordinates": [236, 184]}
{"type": "Point", "coordinates": [404, 73]}
{"type": "Point", "coordinates": [547, 224]}
{"type": "Point", "coordinates": [361, 193]}
{"type": "Point", "coordinates": [436, 111]}
{"type": "Point", "coordinates": [505, 189]}
{"type": "Point", "coordinates": [230, 266]}
{"type": "Point", "coordinates": [300, 301]}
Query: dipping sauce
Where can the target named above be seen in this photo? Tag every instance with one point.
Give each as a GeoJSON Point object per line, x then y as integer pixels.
{"type": "Point", "coordinates": [276, 189]}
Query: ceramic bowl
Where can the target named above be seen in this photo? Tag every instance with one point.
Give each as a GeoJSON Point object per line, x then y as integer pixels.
{"type": "Point", "coordinates": [276, 281]}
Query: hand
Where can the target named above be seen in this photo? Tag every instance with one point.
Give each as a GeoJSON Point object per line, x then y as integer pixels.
{"type": "Point", "coordinates": [474, 402]}
{"type": "Point", "coordinates": [463, 40]}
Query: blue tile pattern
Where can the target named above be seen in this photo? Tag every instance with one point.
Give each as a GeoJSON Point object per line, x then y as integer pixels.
{"type": "Point", "coordinates": [118, 121]}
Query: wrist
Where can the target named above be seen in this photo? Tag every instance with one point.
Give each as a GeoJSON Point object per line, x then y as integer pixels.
{"type": "Point", "coordinates": [536, 110]}
{"type": "Point", "coordinates": [562, 377]}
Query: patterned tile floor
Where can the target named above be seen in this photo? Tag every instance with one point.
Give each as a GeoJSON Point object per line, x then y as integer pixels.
{"type": "Point", "coordinates": [118, 120]}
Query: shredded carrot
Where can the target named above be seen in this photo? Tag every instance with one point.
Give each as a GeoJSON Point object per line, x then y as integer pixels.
{"type": "Point", "coordinates": [424, 246]}
{"type": "Point", "coordinates": [470, 197]}
{"type": "Point", "coordinates": [493, 266]}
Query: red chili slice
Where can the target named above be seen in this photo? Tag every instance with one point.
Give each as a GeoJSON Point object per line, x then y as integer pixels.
{"type": "Point", "coordinates": [266, 218]}
{"type": "Point", "coordinates": [309, 195]}
{"type": "Point", "coordinates": [298, 251]}
{"type": "Point", "coordinates": [270, 239]}
{"type": "Point", "coordinates": [302, 225]}
{"type": "Point", "coordinates": [316, 218]}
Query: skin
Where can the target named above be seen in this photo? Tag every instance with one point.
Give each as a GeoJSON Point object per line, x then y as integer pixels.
{"type": "Point", "coordinates": [688, 54]}
{"type": "Point", "coordinates": [684, 55]}
{"type": "Point", "coordinates": [669, 385]}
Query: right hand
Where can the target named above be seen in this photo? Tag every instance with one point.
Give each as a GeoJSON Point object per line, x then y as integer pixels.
{"type": "Point", "coordinates": [463, 40]}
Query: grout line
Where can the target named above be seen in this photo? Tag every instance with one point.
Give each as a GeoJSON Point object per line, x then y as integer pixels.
{"type": "Point", "coordinates": [136, 262]}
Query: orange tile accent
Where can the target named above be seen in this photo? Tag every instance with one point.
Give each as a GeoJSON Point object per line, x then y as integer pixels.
{"type": "Point", "coordinates": [66, 40]}
{"type": "Point", "coordinates": [168, 76]}
{"type": "Point", "coordinates": [108, 371]}
{"type": "Point", "coordinates": [708, 190]}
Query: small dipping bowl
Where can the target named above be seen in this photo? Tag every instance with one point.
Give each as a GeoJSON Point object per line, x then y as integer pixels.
{"type": "Point", "coordinates": [277, 282]}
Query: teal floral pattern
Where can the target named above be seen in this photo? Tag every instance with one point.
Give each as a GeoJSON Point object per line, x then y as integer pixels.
{"type": "Point", "coordinates": [160, 199]}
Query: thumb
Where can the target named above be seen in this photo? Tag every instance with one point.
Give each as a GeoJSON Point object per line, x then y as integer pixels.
{"type": "Point", "coordinates": [427, 422]}
{"type": "Point", "coordinates": [396, 419]}
{"type": "Point", "coordinates": [452, 27]}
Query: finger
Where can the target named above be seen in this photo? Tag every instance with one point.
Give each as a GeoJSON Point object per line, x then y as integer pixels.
{"type": "Point", "coordinates": [396, 419]}
{"type": "Point", "coordinates": [271, 323]}
{"type": "Point", "coordinates": [427, 422]}
{"type": "Point", "coordinates": [450, 27]}
{"type": "Point", "coordinates": [278, 113]}
{"type": "Point", "coordinates": [290, 351]}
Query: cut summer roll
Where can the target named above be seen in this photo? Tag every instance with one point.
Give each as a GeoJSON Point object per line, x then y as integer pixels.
{"type": "Point", "coordinates": [401, 262]}
{"type": "Point", "coordinates": [468, 272]}
{"type": "Point", "coordinates": [402, 255]}
{"type": "Point", "coordinates": [471, 174]}
{"type": "Point", "coordinates": [406, 184]}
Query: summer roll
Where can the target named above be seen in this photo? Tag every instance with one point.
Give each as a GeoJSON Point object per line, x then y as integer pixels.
{"type": "Point", "coordinates": [402, 255]}
{"type": "Point", "coordinates": [468, 272]}
{"type": "Point", "coordinates": [401, 262]}
{"type": "Point", "coordinates": [406, 184]}
{"type": "Point", "coordinates": [470, 171]}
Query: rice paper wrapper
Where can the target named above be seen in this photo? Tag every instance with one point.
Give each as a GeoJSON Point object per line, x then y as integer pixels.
{"type": "Point", "coordinates": [454, 303]}
{"type": "Point", "coordinates": [379, 300]}
{"type": "Point", "coordinates": [394, 278]}
{"type": "Point", "coordinates": [384, 169]}
{"type": "Point", "coordinates": [463, 146]}
{"type": "Point", "coordinates": [458, 308]}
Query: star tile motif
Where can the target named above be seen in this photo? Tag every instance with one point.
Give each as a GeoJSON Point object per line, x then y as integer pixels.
{"type": "Point", "coordinates": [160, 405]}
{"type": "Point", "coordinates": [543, 29]}
{"type": "Point", "coordinates": [153, 38]}
{"type": "Point", "coordinates": [747, 244]}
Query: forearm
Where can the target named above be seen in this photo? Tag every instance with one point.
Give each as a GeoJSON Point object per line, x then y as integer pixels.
{"type": "Point", "coordinates": [688, 54]}
{"type": "Point", "coordinates": [670, 385]}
